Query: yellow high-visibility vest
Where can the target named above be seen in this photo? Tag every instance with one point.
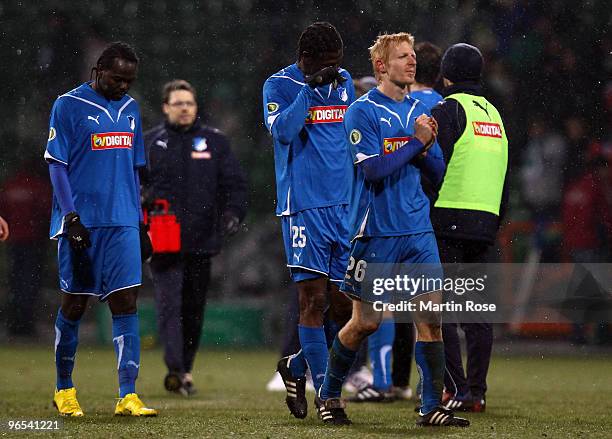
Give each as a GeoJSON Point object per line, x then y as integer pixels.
{"type": "Point", "coordinates": [475, 175]}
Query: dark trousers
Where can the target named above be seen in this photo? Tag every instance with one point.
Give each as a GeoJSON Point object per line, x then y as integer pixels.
{"type": "Point", "coordinates": [479, 336]}
{"type": "Point", "coordinates": [26, 265]}
{"type": "Point", "coordinates": [181, 283]}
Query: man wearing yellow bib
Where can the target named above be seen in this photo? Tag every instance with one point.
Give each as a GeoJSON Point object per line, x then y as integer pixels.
{"type": "Point", "coordinates": [470, 202]}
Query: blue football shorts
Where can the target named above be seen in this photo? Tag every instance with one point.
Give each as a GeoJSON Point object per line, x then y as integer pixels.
{"type": "Point", "coordinates": [373, 260]}
{"type": "Point", "coordinates": [112, 263]}
{"type": "Point", "coordinates": [317, 243]}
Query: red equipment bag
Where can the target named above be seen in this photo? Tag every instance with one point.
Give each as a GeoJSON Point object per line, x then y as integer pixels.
{"type": "Point", "coordinates": [164, 229]}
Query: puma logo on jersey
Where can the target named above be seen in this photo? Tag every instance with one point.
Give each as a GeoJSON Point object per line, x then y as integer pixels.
{"type": "Point", "coordinates": [95, 119]}
{"type": "Point", "coordinates": [162, 144]}
{"type": "Point", "coordinates": [388, 121]}
{"type": "Point", "coordinates": [477, 105]}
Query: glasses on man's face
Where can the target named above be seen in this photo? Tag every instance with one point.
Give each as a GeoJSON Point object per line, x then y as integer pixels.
{"type": "Point", "coordinates": [178, 104]}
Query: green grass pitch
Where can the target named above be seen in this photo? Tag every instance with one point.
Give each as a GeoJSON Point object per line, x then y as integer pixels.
{"type": "Point", "coordinates": [556, 397]}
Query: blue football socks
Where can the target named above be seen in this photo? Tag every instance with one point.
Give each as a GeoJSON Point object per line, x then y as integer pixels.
{"type": "Point", "coordinates": [297, 364]}
{"type": "Point", "coordinates": [66, 341]}
{"type": "Point", "coordinates": [429, 357]}
{"type": "Point", "coordinates": [315, 351]}
{"type": "Point", "coordinates": [331, 329]}
{"type": "Point", "coordinates": [380, 346]}
{"type": "Point", "coordinates": [340, 361]}
{"type": "Point", "coordinates": [127, 348]}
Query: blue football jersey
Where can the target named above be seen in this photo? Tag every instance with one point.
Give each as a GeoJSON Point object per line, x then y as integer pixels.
{"type": "Point", "coordinates": [312, 160]}
{"type": "Point", "coordinates": [100, 141]}
{"type": "Point", "coordinates": [430, 98]}
{"type": "Point", "coordinates": [396, 205]}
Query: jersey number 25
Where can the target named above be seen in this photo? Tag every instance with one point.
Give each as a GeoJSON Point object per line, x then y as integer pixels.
{"type": "Point", "coordinates": [299, 237]}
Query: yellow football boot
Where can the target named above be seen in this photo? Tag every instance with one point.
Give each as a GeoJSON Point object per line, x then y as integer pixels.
{"type": "Point", "coordinates": [131, 405]}
{"type": "Point", "coordinates": [66, 403]}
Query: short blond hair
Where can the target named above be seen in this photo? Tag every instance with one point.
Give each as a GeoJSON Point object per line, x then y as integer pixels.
{"type": "Point", "coordinates": [381, 47]}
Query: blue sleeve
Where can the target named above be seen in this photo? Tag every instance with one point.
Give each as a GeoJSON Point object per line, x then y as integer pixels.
{"type": "Point", "coordinates": [139, 148]}
{"type": "Point", "coordinates": [60, 133]}
{"type": "Point", "coordinates": [362, 133]}
{"type": "Point", "coordinates": [381, 166]}
{"type": "Point", "coordinates": [285, 119]}
{"type": "Point", "coordinates": [137, 181]}
{"type": "Point", "coordinates": [432, 165]}
{"type": "Point", "coordinates": [61, 186]}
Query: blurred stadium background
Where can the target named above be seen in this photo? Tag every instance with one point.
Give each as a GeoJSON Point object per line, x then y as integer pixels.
{"type": "Point", "coordinates": [548, 69]}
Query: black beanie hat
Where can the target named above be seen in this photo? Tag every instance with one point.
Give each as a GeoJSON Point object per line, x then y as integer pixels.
{"type": "Point", "coordinates": [462, 62]}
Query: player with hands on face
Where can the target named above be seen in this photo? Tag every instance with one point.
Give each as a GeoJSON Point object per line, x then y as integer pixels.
{"type": "Point", "coordinates": [304, 106]}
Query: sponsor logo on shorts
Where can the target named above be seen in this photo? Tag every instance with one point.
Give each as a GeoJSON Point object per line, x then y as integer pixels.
{"type": "Point", "coordinates": [487, 129]}
{"type": "Point", "coordinates": [326, 114]}
{"type": "Point", "coordinates": [101, 141]}
{"type": "Point", "coordinates": [392, 144]}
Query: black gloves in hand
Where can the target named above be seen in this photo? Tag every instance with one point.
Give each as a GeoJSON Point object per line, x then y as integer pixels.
{"type": "Point", "coordinates": [78, 235]}
{"type": "Point", "coordinates": [328, 75]}
{"type": "Point", "coordinates": [146, 247]}
{"type": "Point", "coordinates": [230, 223]}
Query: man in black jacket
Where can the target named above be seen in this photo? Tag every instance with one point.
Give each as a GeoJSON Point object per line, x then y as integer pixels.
{"type": "Point", "coordinates": [192, 167]}
{"type": "Point", "coordinates": [468, 207]}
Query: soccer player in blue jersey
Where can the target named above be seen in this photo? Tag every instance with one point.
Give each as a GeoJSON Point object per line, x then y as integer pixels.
{"type": "Point", "coordinates": [427, 74]}
{"type": "Point", "coordinates": [392, 142]}
{"type": "Point", "coordinates": [304, 106]}
{"type": "Point", "coordinates": [94, 149]}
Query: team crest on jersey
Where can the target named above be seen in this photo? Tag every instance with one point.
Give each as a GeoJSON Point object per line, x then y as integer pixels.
{"type": "Point", "coordinates": [132, 122]}
{"type": "Point", "coordinates": [52, 134]}
{"type": "Point", "coordinates": [326, 114]}
{"type": "Point", "coordinates": [199, 144]}
{"type": "Point", "coordinates": [392, 144]}
{"type": "Point", "coordinates": [487, 129]}
{"type": "Point", "coordinates": [101, 141]}
{"type": "Point", "coordinates": [343, 94]}
{"type": "Point", "coordinates": [355, 136]}
{"type": "Point", "coordinates": [272, 107]}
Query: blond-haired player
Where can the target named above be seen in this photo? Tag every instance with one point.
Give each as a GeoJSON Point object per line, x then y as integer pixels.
{"type": "Point", "coordinates": [393, 141]}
